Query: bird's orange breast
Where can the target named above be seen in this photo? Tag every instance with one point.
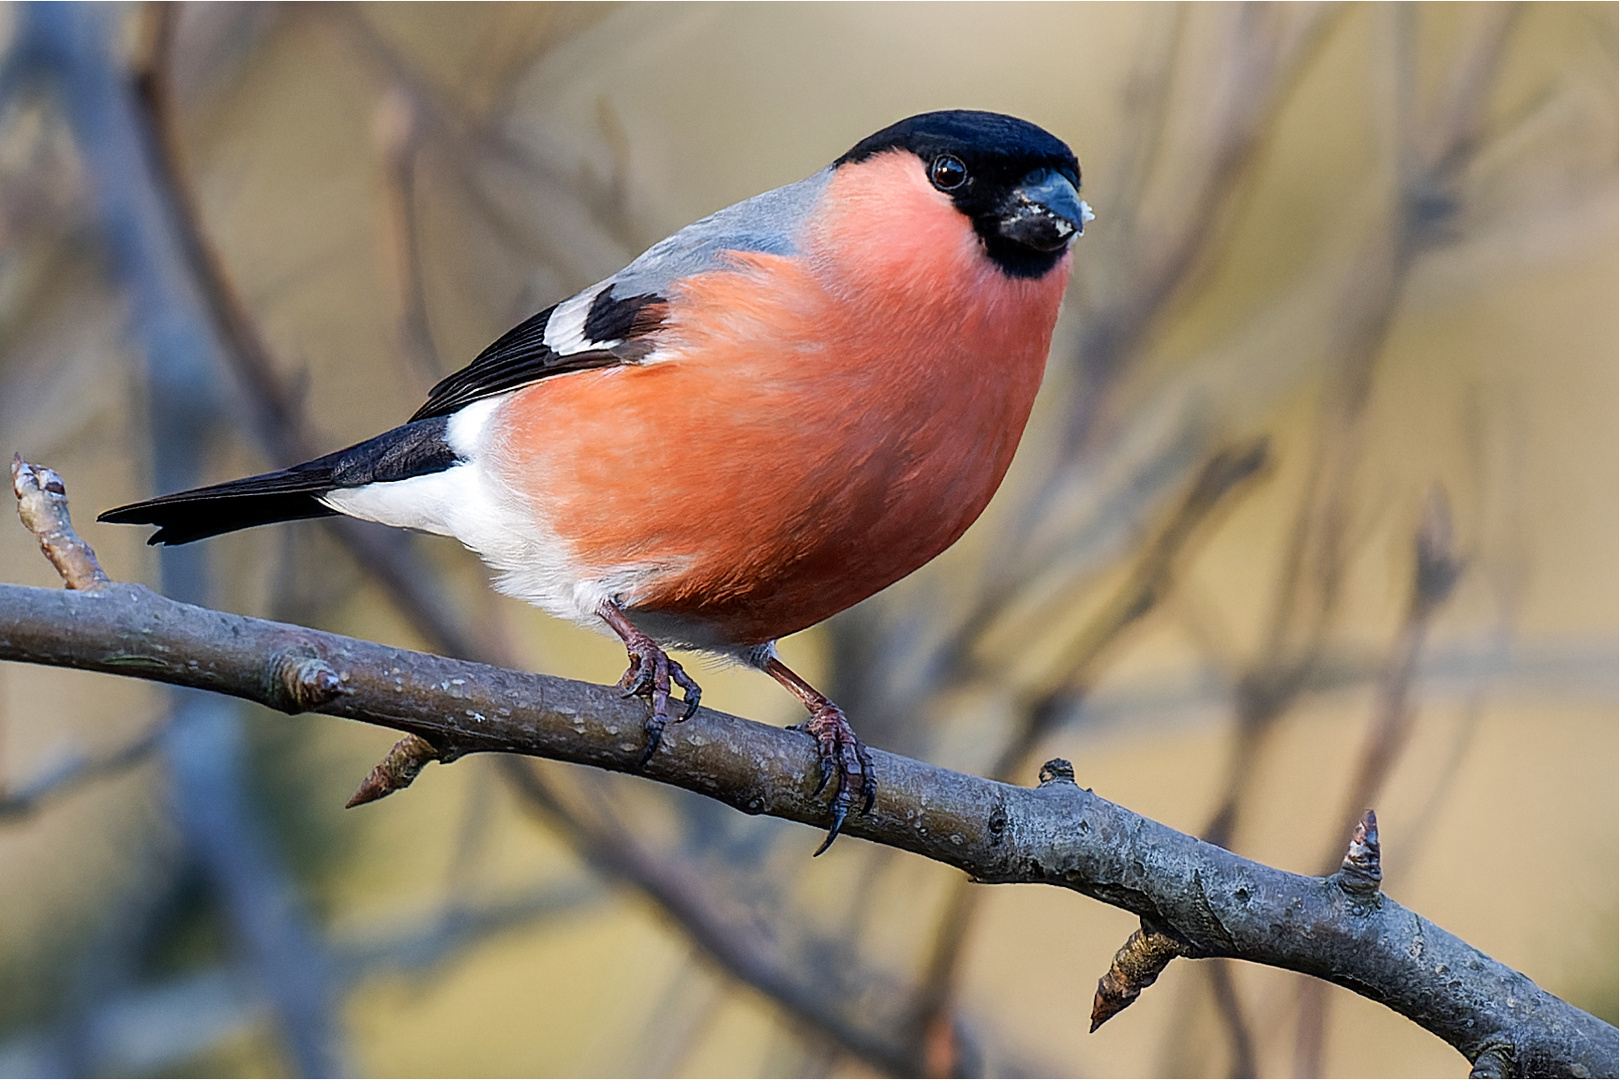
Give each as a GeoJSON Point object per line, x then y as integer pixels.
{"type": "Point", "coordinates": [811, 429]}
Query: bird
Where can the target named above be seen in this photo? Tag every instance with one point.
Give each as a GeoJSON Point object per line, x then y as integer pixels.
{"type": "Point", "coordinates": [763, 419]}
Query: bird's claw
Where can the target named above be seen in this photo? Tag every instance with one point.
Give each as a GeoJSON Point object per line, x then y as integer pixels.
{"type": "Point", "coordinates": [637, 679]}
{"type": "Point", "coordinates": [650, 675]}
{"type": "Point", "coordinates": [844, 759]}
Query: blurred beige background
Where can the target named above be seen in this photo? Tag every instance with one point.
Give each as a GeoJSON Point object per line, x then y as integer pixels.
{"type": "Point", "coordinates": [1382, 238]}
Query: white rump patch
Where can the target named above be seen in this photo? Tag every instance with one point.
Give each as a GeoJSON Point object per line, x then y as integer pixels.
{"type": "Point", "coordinates": [465, 431]}
{"type": "Point", "coordinates": [454, 502]}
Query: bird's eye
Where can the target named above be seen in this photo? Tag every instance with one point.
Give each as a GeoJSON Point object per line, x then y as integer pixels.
{"type": "Point", "coordinates": [947, 172]}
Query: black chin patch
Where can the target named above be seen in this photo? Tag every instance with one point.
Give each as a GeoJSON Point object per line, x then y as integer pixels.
{"type": "Point", "coordinates": [1017, 259]}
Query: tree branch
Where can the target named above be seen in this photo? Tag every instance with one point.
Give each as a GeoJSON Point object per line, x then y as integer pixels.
{"type": "Point", "coordinates": [1212, 902]}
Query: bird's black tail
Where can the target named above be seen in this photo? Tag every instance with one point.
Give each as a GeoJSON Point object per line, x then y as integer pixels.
{"type": "Point", "coordinates": [291, 494]}
{"type": "Point", "coordinates": [287, 495]}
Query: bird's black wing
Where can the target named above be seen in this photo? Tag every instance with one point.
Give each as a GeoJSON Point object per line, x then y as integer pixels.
{"type": "Point", "coordinates": [590, 330]}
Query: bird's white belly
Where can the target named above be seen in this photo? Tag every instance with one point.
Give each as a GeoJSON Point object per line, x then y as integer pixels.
{"type": "Point", "coordinates": [532, 563]}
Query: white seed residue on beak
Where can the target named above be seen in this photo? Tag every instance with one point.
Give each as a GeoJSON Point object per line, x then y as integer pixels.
{"type": "Point", "coordinates": [1085, 213]}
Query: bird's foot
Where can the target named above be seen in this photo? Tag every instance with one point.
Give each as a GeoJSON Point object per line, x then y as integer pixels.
{"type": "Point", "coordinates": [651, 675]}
{"type": "Point", "coordinates": [845, 764]}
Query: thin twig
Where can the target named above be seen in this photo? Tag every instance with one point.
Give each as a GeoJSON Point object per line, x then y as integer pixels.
{"type": "Point", "coordinates": [738, 948]}
{"type": "Point", "coordinates": [283, 425]}
{"type": "Point", "coordinates": [1151, 578]}
{"type": "Point", "coordinates": [1266, 51]}
{"type": "Point", "coordinates": [202, 1009]}
{"type": "Point", "coordinates": [42, 505]}
{"type": "Point", "coordinates": [1149, 582]}
{"type": "Point", "coordinates": [399, 138]}
{"type": "Point", "coordinates": [1435, 572]}
{"type": "Point", "coordinates": [471, 136]}
{"type": "Point", "coordinates": [1436, 569]}
{"type": "Point", "coordinates": [74, 772]}
{"type": "Point", "coordinates": [1427, 177]}
{"type": "Point", "coordinates": [447, 934]}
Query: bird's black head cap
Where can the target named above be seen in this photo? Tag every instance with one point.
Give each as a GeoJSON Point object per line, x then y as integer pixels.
{"type": "Point", "coordinates": [997, 154]}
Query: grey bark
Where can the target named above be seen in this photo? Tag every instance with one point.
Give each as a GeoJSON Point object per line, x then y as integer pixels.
{"type": "Point", "coordinates": [1212, 902]}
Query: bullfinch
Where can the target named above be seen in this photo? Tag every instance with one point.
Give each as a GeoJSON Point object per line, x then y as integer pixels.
{"type": "Point", "coordinates": [760, 421]}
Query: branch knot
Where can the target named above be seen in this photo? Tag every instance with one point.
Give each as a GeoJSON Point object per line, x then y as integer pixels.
{"type": "Point", "coordinates": [403, 764]}
{"type": "Point", "coordinates": [1140, 961]}
{"type": "Point", "coordinates": [302, 683]}
{"type": "Point", "coordinates": [1494, 1059]}
{"type": "Point", "coordinates": [1438, 566]}
{"type": "Point", "coordinates": [1057, 771]}
{"type": "Point", "coordinates": [1361, 874]}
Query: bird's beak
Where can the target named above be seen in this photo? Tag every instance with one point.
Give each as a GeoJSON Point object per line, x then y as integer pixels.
{"type": "Point", "coordinates": [1044, 212]}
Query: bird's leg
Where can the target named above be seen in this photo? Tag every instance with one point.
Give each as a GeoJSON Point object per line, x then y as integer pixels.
{"type": "Point", "coordinates": [843, 755]}
{"type": "Point", "coordinates": [650, 673]}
